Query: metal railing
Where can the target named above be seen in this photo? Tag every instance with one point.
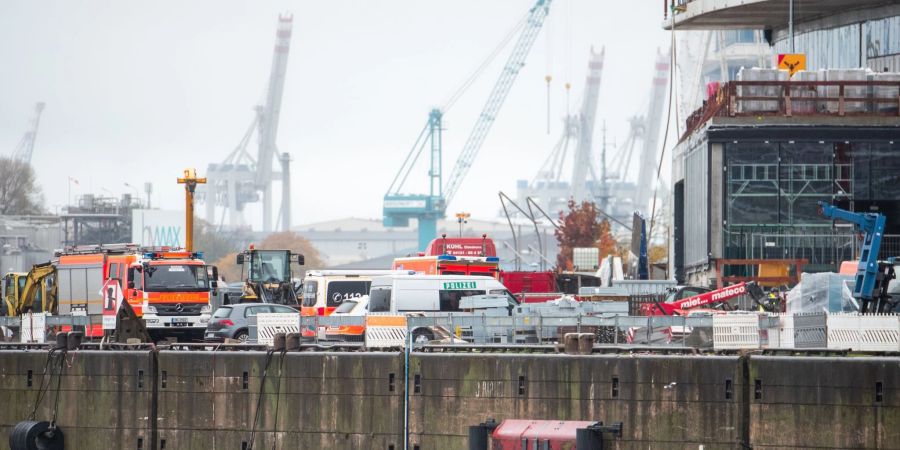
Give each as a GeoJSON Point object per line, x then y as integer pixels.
{"type": "Point", "coordinates": [798, 98]}
{"type": "Point", "coordinates": [823, 250]}
{"type": "Point", "coordinates": [484, 329]}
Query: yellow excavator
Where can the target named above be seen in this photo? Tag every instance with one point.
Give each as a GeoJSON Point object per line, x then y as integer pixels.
{"type": "Point", "coordinates": [30, 292]}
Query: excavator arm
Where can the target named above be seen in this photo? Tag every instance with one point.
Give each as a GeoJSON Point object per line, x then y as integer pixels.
{"type": "Point", "coordinates": [33, 285]}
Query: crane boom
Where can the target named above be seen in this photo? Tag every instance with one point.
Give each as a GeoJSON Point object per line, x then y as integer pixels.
{"type": "Point", "coordinates": [511, 69]}
{"type": "Point", "coordinates": [872, 224]}
{"type": "Point", "coordinates": [428, 208]}
{"type": "Point", "coordinates": [25, 148]}
{"type": "Point", "coordinates": [585, 122]}
{"type": "Point", "coordinates": [646, 179]}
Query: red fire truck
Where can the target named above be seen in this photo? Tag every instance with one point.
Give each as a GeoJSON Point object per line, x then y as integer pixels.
{"type": "Point", "coordinates": [169, 288]}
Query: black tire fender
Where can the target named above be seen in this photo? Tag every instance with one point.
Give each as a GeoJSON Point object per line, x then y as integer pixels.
{"type": "Point", "coordinates": [34, 435]}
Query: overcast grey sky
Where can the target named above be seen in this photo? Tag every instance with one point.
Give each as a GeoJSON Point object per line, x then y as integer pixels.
{"type": "Point", "coordinates": [137, 91]}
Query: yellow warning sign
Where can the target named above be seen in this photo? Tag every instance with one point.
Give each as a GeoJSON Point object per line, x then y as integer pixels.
{"type": "Point", "coordinates": [792, 62]}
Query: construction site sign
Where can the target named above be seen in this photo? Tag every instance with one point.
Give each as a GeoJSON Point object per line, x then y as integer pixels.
{"type": "Point", "coordinates": [111, 292]}
{"type": "Point", "coordinates": [792, 62]}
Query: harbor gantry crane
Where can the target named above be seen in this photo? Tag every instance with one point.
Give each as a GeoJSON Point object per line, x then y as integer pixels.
{"type": "Point", "coordinates": [428, 208]}
{"type": "Point", "coordinates": [240, 178]}
{"type": "Point", "coordinates": [25, 148]}
{"type": "Point", "coordinates": [549, 186]}
{"type": "Point", "coordinates": [632, 190]}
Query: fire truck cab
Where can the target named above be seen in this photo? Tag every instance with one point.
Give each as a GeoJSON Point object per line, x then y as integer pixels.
{"type": "Point", "coordinates": [171, 290]}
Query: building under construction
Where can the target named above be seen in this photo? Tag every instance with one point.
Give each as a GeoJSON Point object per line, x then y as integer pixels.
{"type": "Point", "coordinates": [766, 148]}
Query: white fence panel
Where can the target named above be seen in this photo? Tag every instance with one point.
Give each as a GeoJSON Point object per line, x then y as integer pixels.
{"type": "Point", "coordinates": [869, 332]}
{"type": "Point", "coordinates": [735, 331]}
{"type": "Point", "coordinates": [270, 324]}
{"type": "Point", "coordinates": [34, 328]}
{"type": "Point", "coordinates": [383, 331]}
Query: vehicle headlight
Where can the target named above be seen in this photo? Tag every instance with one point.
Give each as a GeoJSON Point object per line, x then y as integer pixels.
{"type": "Point", "coordinates": [205, 309]}
{"type": "Point", "coordinates": [149, 309]}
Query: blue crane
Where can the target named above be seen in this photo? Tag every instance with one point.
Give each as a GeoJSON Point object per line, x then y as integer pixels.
{"type": "Point", "coordinates": [428, 208]}
{"type": "Point", "coordinates": [872, 276]}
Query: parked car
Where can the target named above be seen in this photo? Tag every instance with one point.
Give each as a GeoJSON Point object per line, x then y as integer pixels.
{"type": "Point", "coordinates": [233, 321]}
{"type": "Point", "coordinates": [357, 307]}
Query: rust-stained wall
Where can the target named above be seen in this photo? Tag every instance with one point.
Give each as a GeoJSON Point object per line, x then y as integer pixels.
{"type": "Point", "coordinates": [197, 399]}
{"type": "Point", "coordinates": [824, 402]}
{"type": "Point", "coordinates": [662, 400]}
{"type": "Point", "coordinates": [326, 400]}
{"type": "Point", "coordinates": [105, 397]}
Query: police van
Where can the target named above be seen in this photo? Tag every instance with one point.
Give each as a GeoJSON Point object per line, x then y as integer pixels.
{"type": "Point", "coordinates": [430, 293]}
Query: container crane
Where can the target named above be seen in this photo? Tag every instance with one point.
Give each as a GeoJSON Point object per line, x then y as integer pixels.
{"type": "Point", "coordinates": [240, 177]}
{"type": "Point", "coordinates": [25, 148]}
{"type": "Point", "coordinates": [427, 209]}
{"type": "Point", "coordinates": [549, 185]}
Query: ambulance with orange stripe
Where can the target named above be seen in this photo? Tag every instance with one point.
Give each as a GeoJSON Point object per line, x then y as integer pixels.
{"type": "Point", "coordinates": [170, 289]}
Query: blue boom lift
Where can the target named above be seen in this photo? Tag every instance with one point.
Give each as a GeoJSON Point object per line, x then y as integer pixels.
{"type": "Point", "coordinates": [872, 276]}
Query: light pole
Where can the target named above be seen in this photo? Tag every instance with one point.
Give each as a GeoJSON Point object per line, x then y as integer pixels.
{"type": "Point", "coordinates": [137, 193]}
{"type": "Point", "coordinates": [462, 218]}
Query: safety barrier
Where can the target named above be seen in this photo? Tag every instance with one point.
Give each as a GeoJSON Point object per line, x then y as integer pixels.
{"type": "Point", "coordinates": [270, 324]}
{"type": "Point", "coordinates": [385, 331]}
{"type": "Point", "coordinates": [781, 332]}
{"type": "Point", "coordinates": [735, 331]}
{"type": "Point", "coordinates": [33, 328]}
{"type": "Point", "coordinates": [809, 330]}
{"type": "Point", "coordinates": [865, 332]}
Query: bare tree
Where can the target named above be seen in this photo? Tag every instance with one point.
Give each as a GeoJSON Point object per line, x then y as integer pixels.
{"type": "Point", "coordinates": [19, 193]}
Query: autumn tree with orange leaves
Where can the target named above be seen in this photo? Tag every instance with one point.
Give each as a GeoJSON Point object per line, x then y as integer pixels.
{"type": "Point", "coordinates": [582, 227]}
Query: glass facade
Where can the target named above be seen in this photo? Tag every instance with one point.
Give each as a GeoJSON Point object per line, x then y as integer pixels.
{"type": "Point", "coordinates": [772, 190]}
{"type": "Point", "coordinates": [779, 184]}
{"type": "Point", "coordinates": [874, 44]}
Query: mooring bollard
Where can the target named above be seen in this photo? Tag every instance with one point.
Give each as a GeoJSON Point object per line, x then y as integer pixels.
{"type": "Point", "coordinates": [571, 343]}
{"type": "Point", "coordinates": [586, 343]}
{"type": "Point", "coordinates": [74, 340]}
{"type": "Point", "coordinates": [278, 342]}
{"type": "Point", "coordinates": [61, 339]}
{"type": "Point", "coordinates": [292, 343]}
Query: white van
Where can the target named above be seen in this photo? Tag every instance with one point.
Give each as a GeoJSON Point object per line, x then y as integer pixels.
{"type": "Point", "coordinates": [430, 293]}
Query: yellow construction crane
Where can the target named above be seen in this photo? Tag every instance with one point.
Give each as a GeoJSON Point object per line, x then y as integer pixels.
{"type": "Point", "coordinates": [190, 182]}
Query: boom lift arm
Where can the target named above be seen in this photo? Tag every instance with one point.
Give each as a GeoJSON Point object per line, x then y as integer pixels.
{"type": "Point", "coordinates": [706, 298]}
{"type": "Point", "coordinates": [871, 276]}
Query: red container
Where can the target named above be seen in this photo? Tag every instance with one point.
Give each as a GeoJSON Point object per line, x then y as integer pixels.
{"type": "Point", "coordinates": [559, 434]}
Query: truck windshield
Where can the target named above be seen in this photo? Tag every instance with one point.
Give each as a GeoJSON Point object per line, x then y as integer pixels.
{"type": "Point", "coordinates": [380, 299]}
{"type": "Point", "coordinates": [176, 277]}
{"type": "Point", "coordinates": [270, 266]}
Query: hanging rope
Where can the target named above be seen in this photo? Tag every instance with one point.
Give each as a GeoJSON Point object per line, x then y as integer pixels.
{"type": "Point", "coordinates": [278, 398]}
{"type": "Point", "coordinates": [662, 153]}
{"type": "Point", "coordinates": [262, 390]}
